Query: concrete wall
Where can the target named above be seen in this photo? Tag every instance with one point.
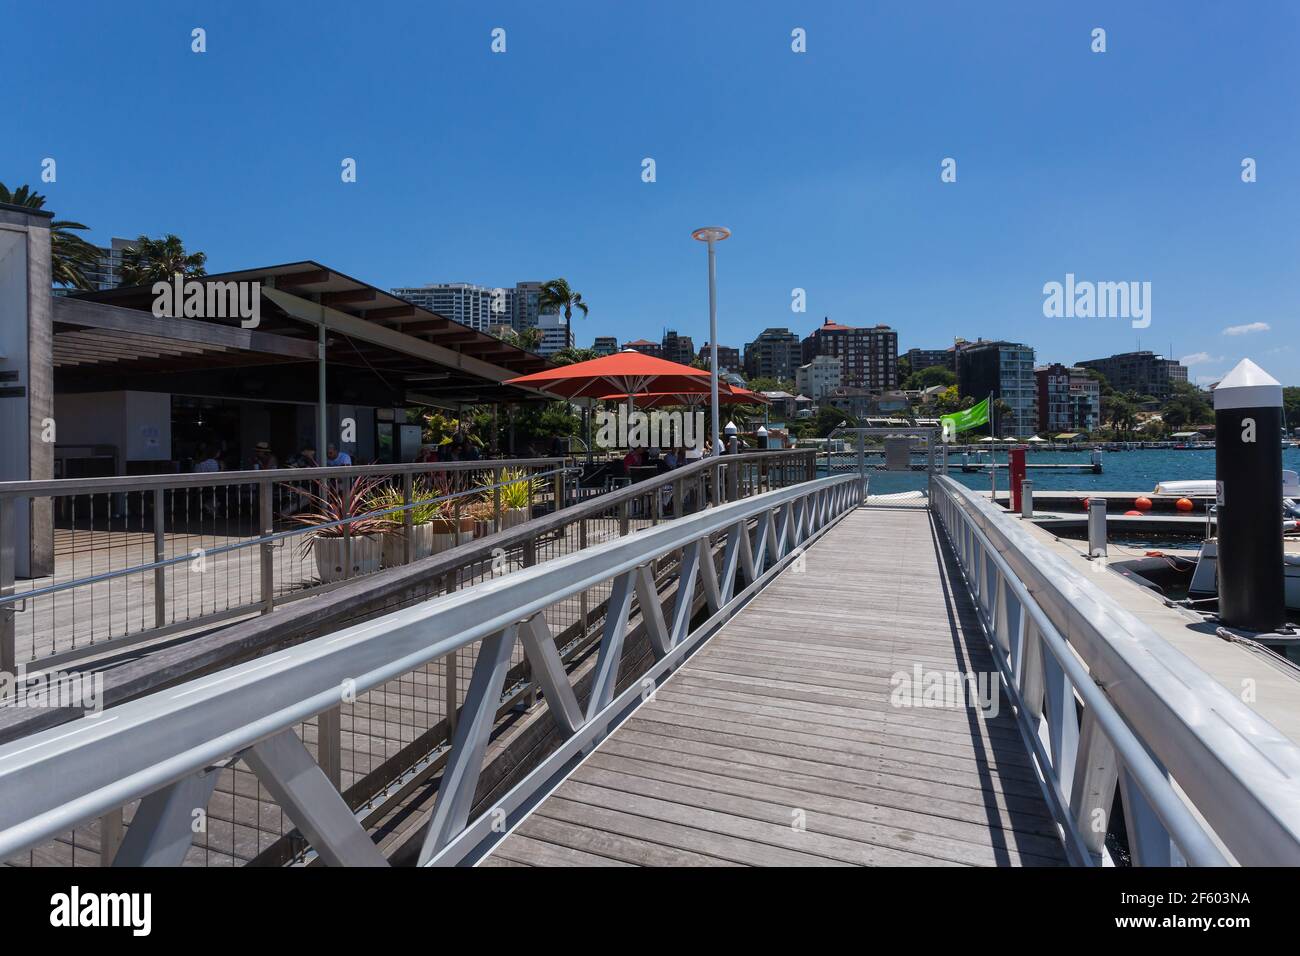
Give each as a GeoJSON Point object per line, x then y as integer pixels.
{"type": "Point", "coordinates": [26, 402]}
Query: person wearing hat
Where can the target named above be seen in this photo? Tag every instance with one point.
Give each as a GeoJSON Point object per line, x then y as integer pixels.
{"type": "Point", "coordinates": [263, 458]}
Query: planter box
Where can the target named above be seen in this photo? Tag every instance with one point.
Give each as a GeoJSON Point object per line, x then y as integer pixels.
{"type": "Point", "coordinates": [426, 539]}
{"type": "Point", "coordinates": [509, 518]}
{"type": "Point", "coordinates": [367, 553]}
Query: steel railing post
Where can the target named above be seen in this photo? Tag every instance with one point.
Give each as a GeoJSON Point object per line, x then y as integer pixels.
{"type": "Point", "coordinates": [862, 469]}
{"type": "Point", "coordinates": [329, 745]}
{"type": "Point", "coordinates": [159, 554]}
{"type": "Point", "coordinates": [266, 550]}
{"type": "Point", "coordinates": [8, 550]}
{"type": "Point", "coordinates": [559, 488]}
{"type": "Point", "coordinates": [583, 609]}
{"type": "Point", "coordinates": [408, 518]}
{"type": "Point", "coordinates": [1026, 499]}
{"type": "Point", "coordinates": [497, 477]}
{"type": "Point", "coordinates": [110, 833]}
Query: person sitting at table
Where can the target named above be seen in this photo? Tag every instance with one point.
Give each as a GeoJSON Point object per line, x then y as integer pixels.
{"type": "Point", "coordinates": [263, 457]}
{"type": "Point", "coordinates": [631, 460]}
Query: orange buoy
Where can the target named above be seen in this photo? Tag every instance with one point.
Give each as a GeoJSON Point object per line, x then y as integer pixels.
{"type": "Point", "coordinates": [1136, 514]}
{"type": "Point", "coordinates": [1142, 504]}
{"type": "Point", "coordinates": [1184, 504]}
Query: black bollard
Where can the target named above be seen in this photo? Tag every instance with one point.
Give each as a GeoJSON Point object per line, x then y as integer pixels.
{"type": "Point", "coordinates": [1248, 468]}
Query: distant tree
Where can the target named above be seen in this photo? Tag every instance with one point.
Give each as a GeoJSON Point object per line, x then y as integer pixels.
{"type": "Point", "coordinates": [1119, 411]}
{"type": "Point", "coordinates": [772, 385]}
{"type": "Point", "coordinates": [1188, 405]}
{"type": "Point", "coordinates": [904, 369]}
{"type": "Point", "coordinates": [147, 261]}
{"type": "Point", "coordinates": [71, 256]}
{"type": "Point", "coordinates": [530, 340]}
{"type": "Point", "coordinates": [829, 418]}
{"type": "Point", "coordinates": [1291, 405]}
{"type": "Point", "coordinates": [571, 356]}
{"type": "Point", "coordinates": [556, 294]}
{"type": "Point", "coordinates": [1103, 385]}
{"type": "Point", "coordinates": [930, 377]}
{"type": "Point", "coordinates": [538, 424]}
{"type": "Point", "coordinates": [950, 401]}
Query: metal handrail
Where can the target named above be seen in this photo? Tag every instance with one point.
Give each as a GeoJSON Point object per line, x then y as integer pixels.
{"type": "Point", "coordinates": [55, 779]}
{"type": "Point", "coordinates": [600, 503]}
{"type": "Point", "coordinates": [167, 481]}
{"type": "Point", "coordinates": [1144, 702]}
{"type": "Point", "coordinates": [271, 538]}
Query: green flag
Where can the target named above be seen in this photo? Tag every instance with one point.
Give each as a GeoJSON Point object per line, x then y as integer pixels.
{"type": "Point", "coordinates": [964, 420]}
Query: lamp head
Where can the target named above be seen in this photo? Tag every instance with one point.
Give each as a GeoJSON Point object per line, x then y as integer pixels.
{"type": "Point", "coordinates": [711, 233]}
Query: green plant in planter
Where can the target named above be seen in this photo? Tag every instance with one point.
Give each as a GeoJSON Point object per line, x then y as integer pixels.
{"type": "Point", "coordinates": [517, 488]}
{"type": "Point", "coordinates": [424, 506]}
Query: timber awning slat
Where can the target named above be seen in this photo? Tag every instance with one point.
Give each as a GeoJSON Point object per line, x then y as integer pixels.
{"type": "Point", "coordinates": [366, 327]}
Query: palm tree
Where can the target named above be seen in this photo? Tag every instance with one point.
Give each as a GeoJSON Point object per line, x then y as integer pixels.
{"type": "Point", "coordinates": [556, 294]}
{"type": "Point", "coordinates": [530, 340]}
{"type": "Point", "coordinates": [70, 255]}
{"type": "Point", "coordinates": [157, 260]}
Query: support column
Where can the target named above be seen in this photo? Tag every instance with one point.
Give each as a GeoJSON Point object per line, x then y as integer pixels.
{"type": "Point", "coordinates": [27, 379]}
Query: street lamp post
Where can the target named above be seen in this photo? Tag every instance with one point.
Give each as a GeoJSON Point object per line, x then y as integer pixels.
{"type": "Point", "coordinates": [711, 235]}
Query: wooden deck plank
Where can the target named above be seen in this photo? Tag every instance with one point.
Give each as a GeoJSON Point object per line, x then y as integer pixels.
{"type": "Point", "coordinates": [614, 846]}
{"type": "Point", "coordinates": [781, 742]}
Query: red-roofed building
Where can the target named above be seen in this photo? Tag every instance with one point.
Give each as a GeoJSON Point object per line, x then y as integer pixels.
{"type": "Point", "coordinates": [645, 347]}
{"type": "Point", "coordinates": [869, 354]}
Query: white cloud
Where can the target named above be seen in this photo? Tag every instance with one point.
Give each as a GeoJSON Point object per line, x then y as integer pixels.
{"type": "Point", "coordinates": [1246, 329]}
{"type": "Point", "coordinates": [1200, 358]}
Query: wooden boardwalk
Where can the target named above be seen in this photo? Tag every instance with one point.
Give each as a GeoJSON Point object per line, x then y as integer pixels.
{"type": "Point", "coordinates": [778, 743]}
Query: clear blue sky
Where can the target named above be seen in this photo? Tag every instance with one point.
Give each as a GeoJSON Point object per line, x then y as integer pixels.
{"type": "Point", "coordinates": [493, 168]}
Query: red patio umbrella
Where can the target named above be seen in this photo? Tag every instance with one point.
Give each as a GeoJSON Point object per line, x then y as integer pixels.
{"type": "Point", "coordinates": [624, 373]}
{"type": "Point", "coordinates": [727, 395]}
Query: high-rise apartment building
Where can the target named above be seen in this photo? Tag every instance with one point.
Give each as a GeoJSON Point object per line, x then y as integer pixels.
{"type": "Point", "coordinates": [475, 306]}
{"type": "Point", "coordinates": [920, 359]}
{"type": "Point", "coordinates": [678, 348]}
{"type": "Point", "coordinates": [556, 335]}
{"type": "Point", "coordinates": [728, 358]}
{"type": "Point", "coordinates": [1142, 372]}
{"type": "Point", "coordinates": [478, 306]}
{"type": "Point", "coordinates": [868, 354]}
{"type": "Point", "coordinates": [774, 354]}
{"type": "Point", "coordinates": [1002, 370]}
{"type": "Point", "coordinates": [605, 345]}
{"type": "Point", "coordinates": [106, 273]}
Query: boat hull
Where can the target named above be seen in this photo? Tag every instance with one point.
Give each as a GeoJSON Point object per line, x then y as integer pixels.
{"type": "Point", "coordinates": [1205, 579]}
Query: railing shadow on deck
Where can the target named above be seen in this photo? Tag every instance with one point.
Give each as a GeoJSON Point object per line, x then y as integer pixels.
{"type": "Point", "coordinates": [963, 634]}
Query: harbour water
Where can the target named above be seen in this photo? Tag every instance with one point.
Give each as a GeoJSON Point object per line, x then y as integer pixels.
{"type": "Point", "coordinates": [1121, 470]}
{"type": "Point", "coordinates": [1137, 471]}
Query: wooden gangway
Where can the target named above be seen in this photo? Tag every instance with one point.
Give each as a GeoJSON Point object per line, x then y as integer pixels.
{"type": "Point", "coordinates": [782, 742]}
